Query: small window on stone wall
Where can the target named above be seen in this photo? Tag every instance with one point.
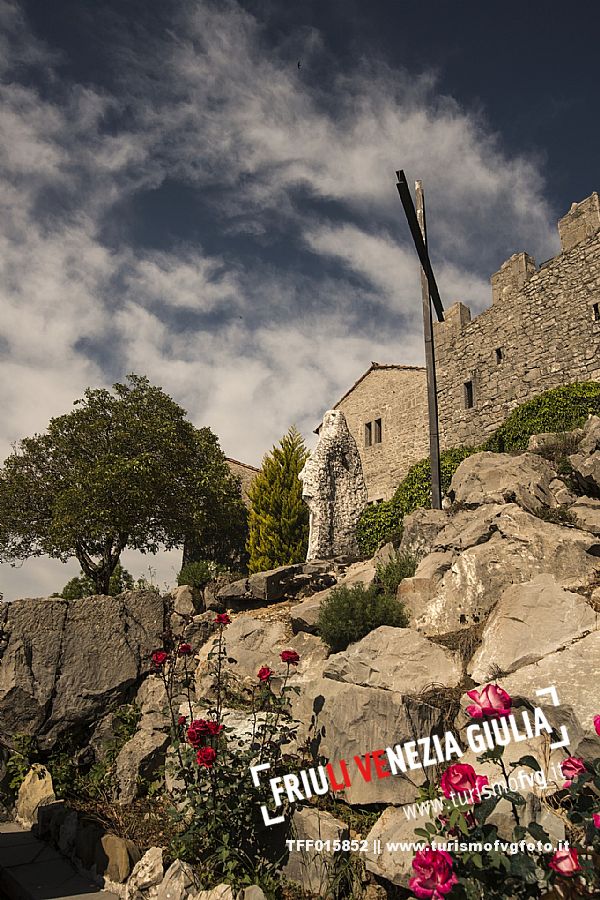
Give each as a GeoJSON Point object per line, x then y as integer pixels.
{"type": "Point", "coordinates": [499, 355]}
{"type": "Point", "coordinates": [596, 312]}
{"type": "Point", "coordinates": [368, 434]}
{"type": "Point", "coordinates": [469, 397]}
{"type": "Point", "coordinates": [377, 435]}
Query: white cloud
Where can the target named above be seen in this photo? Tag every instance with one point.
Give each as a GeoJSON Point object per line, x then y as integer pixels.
{"type": "Point", "coordinates": [247, 345]}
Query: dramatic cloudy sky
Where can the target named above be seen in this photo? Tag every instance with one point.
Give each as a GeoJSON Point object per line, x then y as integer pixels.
{"type": "Point", "coordinates": [180, 199]}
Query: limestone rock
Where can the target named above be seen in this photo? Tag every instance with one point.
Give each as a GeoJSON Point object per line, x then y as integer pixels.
{"type": "Point", "coordinates": [118, 860]}
{"type": "Point", "coordinates": [575, 673]}
{"type": "Point", "coordinates": [36, 790]}
{"type": "Point", "coordinates": [446, 595]}
{"type": "Point", "coordinates": [220, 892]}
{"type": "Point", "coordinates": [586, 462]}
{"type": "Point", "coordinates": [184, 602]}
{"type": "Point", "coordinates": [555, 443]}
{"type": "Point", "coordinates": [252, 893]}
{"type": "Point", "coordinates": [502, 478]}
{"type": "Point", "coordinates": [586, 512]}
{"type": "Point", "coordinates": [139, 758]}
{"type": "Point", "coordinates": [66, 661]}
{"type": "Point", "coordinates": [315, 870]}
{"type": "Point", "coordinates": [305, 615]}
{"type": "Point", "coordinates": [394, 659]}
{"type": "Point", "coordinates": [334, 489]}
{"type": "Point", "coordinates": [419, 531]}
{"type": "Point", "coordinates": [179, 877]}
{"type": "Point", "coordinates": [530, 621]}
{"type": "Point", "coordinates": [260, 588]}
{"type": "Point", "coordinates": [147, 873]}
{"type": "Point", "coordinates": [394, 866]}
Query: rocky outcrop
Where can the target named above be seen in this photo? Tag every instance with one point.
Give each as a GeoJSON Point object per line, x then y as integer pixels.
{"type": "Point", "coordinates": [314, 869]}
{"type": "Point", "coordinates": [334, 489]}
{"type": "Point", "coordinates": [35, 791]}
{"type": "Point", "coordinates": [66, 661]}
{"type": "Point", "coordinates": [586, 462]}
{"type": "Point", "coordinates": [502, 478]}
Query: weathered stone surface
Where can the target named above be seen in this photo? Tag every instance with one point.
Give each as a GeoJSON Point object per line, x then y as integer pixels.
{"type": "Point", "coordinates": [253, 643]}
{"type": "Point", "coordinates": [586, 462]}
{"type": "Point", "coordinates": [342, 720]}
{"type": "Point", "coordinates": [35, 791]}
{"type": "Point", "coordinates": [419, 531]}
{"type": "Point", "coordinates": [184, 602]}
{"type": "Point", "coordinates": [252, 893]}
{"type": "Point", "coordinates": [66, 661]}
{"type": "Point", "coordinates": [305, 615]}
{"type": "Point", "coordinates": [586, 512]}
{"type": "Point", "coordinates": [530, 621]}
{"type": "Point", "coordinates": [179, 878]}
{"type": "Point", "coordinates": [334, 489]}
{"type": "Point", "coordinates": [67, 833]}
{"type": "Point", "coordinates": [461, 592]}
{"type": "Point", "coordinates": [555, 442]}
{"type": "Point", "coordinates": [260, 588]}
{"type": "Point", "coordinates": [394, 659]}
{"type": "Point", "coordinates": [574, 672]}
{"type": "Point", "coordinates": [147, 873]}
{"type": "Point", "coordinates": [359, 573]}
{"type": "Point", "coordinates": [220, 892]}
{"type": "Point", "coordinates": [315, 870]}
{"type": "Point", "coordinates": [118, 861]}
{"type": "Point", "coordinates": [502, 478]}
{"type": "Point", "coordinates": [394, 866]}
{"type": "Point", "coordinates": [139, 758]}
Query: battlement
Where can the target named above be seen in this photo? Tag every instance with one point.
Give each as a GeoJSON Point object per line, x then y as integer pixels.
{"type": "Point", "coordinates": [541, 330]}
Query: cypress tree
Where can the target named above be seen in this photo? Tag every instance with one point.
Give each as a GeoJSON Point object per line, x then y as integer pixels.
{"type": "Point", "coordinates": [278, 518]}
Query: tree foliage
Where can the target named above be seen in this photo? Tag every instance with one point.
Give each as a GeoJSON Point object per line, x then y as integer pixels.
{"type": "Point", "coordinates": [123, 469]}
{"type": "Point", "coordinates": [83, 585]}
{"type": "Point", "coordinates": [278, 520]}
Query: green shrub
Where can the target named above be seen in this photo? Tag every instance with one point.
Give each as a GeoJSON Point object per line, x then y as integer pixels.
{"type": "Point", "coordinates": [389, 575]}
{"type": "Point", "coordinates": [378, 524]}
{"type": "Point", "coordinates": [83, 586]}
{"type": "Point", "coordinates": [415, 490]}
{"type": "Point", "coordinates": [560, 409]}
{"type": "Point", "coordinates": [198, 574]}
{"type": "Point", "coordinates": [350, 613]}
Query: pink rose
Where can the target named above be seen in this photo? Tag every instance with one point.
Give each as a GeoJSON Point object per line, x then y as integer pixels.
{"type": "Point", "coordinates": [565, 862]}
{"type": "Point", "coordinates": [597, 724]}
{"type": "Point", "coordinates": [434, 877]}
{"type": "Point", "coordinates": [460, 779]}
{"type": "Point", "coordinates": [596, 819]}
{"type": "Point", "coordinates": [491, 702]}
{"type": "Point", "coordinates": [571, 768]}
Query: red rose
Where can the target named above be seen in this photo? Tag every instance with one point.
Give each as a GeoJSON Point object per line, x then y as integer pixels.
{"type": "Point", "coordinates": [491, 702]}
{"type": "Point", "coordinates": [290, 657]}
{"type": "Point", "coordinates": [264, 673]}
{"type": "Point", "coordinates": [597, 724]}
{"type": "Point", "coordinates": [571, 768]}
{"type": "Point", "coordinates": [197, 730]}
{"type": "Point", "coordinates": [184, 650]}
{"type": "Point", "coordinates": [434, 877]}
{"type": "Point", "coordinates": [214, 728]}
{"type": "Point", "coordinates": [460, 779]}
{"type": "Point", "coordinates": [182, 720]}
{"type": "Point", "coordinates": [159, 658]}
{"type": "Point", "coordinates": [565, 862]}
{"type": "Point", "coordinates": [222, 619]}
{"type": "Point", "coordinates": [206, 757]}
{"type": "Point", "coordinates": [596, 819]}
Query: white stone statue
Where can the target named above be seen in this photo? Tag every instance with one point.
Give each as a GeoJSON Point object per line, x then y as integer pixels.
{"type": "Point", "coordinates": [334, 489]}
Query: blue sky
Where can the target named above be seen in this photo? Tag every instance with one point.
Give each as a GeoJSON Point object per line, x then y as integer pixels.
{"type": "Point", "coordinates": [180, 199]}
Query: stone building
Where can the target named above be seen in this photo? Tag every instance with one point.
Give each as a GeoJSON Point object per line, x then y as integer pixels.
{"type": "Point", "coordinates": [386, 412]}
{"type": "Point", "coordinates": [542, 330]}
{"type": "Point", "coordinates": [245, 473]}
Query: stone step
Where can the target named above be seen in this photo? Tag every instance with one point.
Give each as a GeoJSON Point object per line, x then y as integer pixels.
{"type": "Point", "coordinates": [32, 870]}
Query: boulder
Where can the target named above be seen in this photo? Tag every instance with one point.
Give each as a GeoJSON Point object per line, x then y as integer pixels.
{"type": "Point", "coordinates": [66, 661]}
{"type": "Point", "coordinates": [116, 852]}
{"type": "Point", "coordinates": [35, 791]}
{"type": "Point", "coordinates": [530, 621]}
{"type": "Point", "coordinates": [147, 874]}
{"type": "Point", "coordinates": [179, 878]}
{"type": "Point", "coordinates": [394, 659]}
{"type": "Point", "coordinates": [220, 892]}
{"type": "Point", "coordinates": [447, 594]}
{"type": "Point", "coordinates": [305, 615]}
{"type": "Point", "coordinates": [138, 759]}
{"type": "Point", "coordinates": [184, 600]}
{"type": "Point", "coordinates": [502, 478]}
{"type": "Point", "coordinates": [555, 443]}
{"type": "Point", "coordinates": [314, 869]}
{"type": "Point", "coordinates": [260, 588]}
{"type": "Point", "coordinates": [586, 512]}
{"type": "Point", "coordinates": [419, 531]}
{"type": "Point", "coordinates": [586, 462]}
{"type": "Point", "coordinates": [393, 865]}
{"type": "Point", "coordinates": [252, 893]}
{"type": "Point", "coordinates": [574, 672]}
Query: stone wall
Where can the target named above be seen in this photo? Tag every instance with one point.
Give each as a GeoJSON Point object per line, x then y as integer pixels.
{"type": "Point", "coordinates": [245, 473]}
{"type": "Point", "coordinates": [396, 395]}
{"type": "Point", "coordinates": [542, 330]}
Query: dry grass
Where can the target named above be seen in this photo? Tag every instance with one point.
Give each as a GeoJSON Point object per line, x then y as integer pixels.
{"type": "Point", "coordinates": [463, 642]}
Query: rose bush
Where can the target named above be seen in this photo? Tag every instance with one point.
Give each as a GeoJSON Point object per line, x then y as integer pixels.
{"type": "Point", "coordinates": [433, 877]}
